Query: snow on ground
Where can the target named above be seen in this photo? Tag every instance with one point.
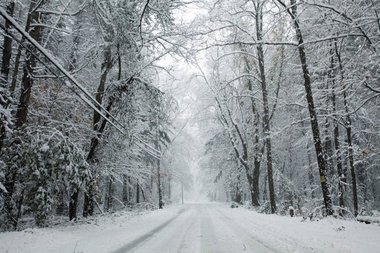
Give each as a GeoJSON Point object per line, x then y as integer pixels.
{"type": "Point", "coordinates": [104, 235]}
{"type": "Point", "coordinates": [291, 235]}
{"type": "Point", "coordinates": [198, 228]}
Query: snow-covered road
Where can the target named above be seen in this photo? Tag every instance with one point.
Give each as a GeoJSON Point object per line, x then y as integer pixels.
{"type": "Point", "coordinates": [203, 228]}
{"type": "Point", "coordinates": [199, 228]}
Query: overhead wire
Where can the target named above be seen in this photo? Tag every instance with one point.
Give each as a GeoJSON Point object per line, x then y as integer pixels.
{"type": "Point", "coordinates": [86, 96]}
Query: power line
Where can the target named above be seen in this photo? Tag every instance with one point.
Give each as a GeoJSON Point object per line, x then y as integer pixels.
{"type": "Point", "coordinates": [86, 96]}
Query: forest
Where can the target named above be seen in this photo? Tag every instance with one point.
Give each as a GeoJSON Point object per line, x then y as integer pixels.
{"type": "Point", "coordinates": [110, 105]}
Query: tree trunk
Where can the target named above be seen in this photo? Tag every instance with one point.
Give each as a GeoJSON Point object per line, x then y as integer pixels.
{"type": "Point", "coordinates": [253, 181]}
{"type": "Point", "coordinates": [137, 192]}
{"type": "Point", "coordinates": [160, 203]}
{"type": "Point", "coordinates": [339, 166]}
{"type": "Point", "coordinates": [265, 189]}
{"type": "Point", "coordinates": [16, 69]}
{"type": "Point", "coordinates": [73, 204]}
{"type": "Point", "coordinates": [348, 126]}
{"type": "Point", "coordinates": [7, 47]}
{"type": "Point", "coordinates": [4, 72]}
{"type": "Point", "coordinates": [237, 195]}
{"type": "Point", "coordinates": [253, 189]}
{"type": "Point", "coordinates": [20, 47]}
{"type": "Point", "coordinates": [310, 172]}
{"type": "Point", "coordinates": [266, 128]}
{"type": "Point", "coordinates": [312, 112]}
{"type": "Point", "coordinates": [110, 194]}
{"type": "Point", "coordinates": [327, 141]}
{"type": "Point", "coordinates": [130, 190]}
{"type": "Point", "coordinates": [89, 200]}
{"type": "Point", "coordinates": [125, 190]}
{"type": "Point", "coordinates": [351, 160]}
{"type": "Point", "coordinates": [338, 155]}
{"type": "Point", "coordinates": [29, 66]}
{"type": "Point", "coordinates": [22, 108]}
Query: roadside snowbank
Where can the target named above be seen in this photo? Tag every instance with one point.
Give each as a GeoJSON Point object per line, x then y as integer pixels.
{"type": "Point", "coordinates": [287, 234]}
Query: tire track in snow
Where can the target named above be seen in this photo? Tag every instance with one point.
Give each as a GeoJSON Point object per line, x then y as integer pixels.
{"type": "Point", "coordinates": [137, 242]}
{"type": "Point", "coordinates": [191, 235]}
{"type": "Point", "coordinates": [208, 239]}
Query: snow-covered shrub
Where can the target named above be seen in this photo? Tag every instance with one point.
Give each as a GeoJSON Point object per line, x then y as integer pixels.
{"type": "Point", "coordinates": [47, 164]}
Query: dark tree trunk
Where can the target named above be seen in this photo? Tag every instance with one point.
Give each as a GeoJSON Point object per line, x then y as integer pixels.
{"type": "Point", "coordinates": [106, 67]}
{"type": "Point", "coordinates": [89, 200]}
{"type": "Point", "coordinates": [312, 112]}
{"type": "Point", "coordinates": [266, 128]}
{"type": "Point", "coordinates": [22, 108]}
{"type": "Point", "coordinates": [265, 188]}
{"type": "Point", "coordinates": [160, 203]}
{"type": "Point", "coordinates": [109, 200]}
{"type": "Point", "coordinates": [253, 189]}
{"type": "Point", "coordinates": [29, 66]}
{"type": "Point", "coordinates": [7, 46]}
{"type": "Point", "coordinates": [238, 194]}
{"type": "Point", "coordinates": [328, 149]}
{"type": "Point", "coordinates": [125, 190]}
{"type": "Point", "coordinates": [137, 192]}
{"type": "Point", "coordinates": [339, 165]}
{"type": "Point", "coordinates": [243, 158]}
{"type": "Point", "coordinates": [351, 163]}
{"type": "Point", "coordinates": [76, 40]}
{"type": "Point", "coordinates": [99, 127]}
{"type": "Point", "coordinates": [348, 126]}
{"type": "Point", "coordinates": [130, 190]}
{"type": "Point", "coordinates": [310, 173]}
{"type": "Point", "coordinates": [73, 204]}
{"type": "Point", "coordinates": [16, 69]}
{"type": "Point", "coordinates": [327, 141]}
{"type": "Point", "coordinates": [33, 6]}
{"type": "Point", "coordinates": [253, 181]}
{"type": "Point", "coordinates": [5, 67]}
{"type": "Point", "coordinates": [142, 194]}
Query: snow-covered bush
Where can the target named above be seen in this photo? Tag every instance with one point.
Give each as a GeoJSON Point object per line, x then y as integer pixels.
{"type": "Point", "coordinates": [47, 164]}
